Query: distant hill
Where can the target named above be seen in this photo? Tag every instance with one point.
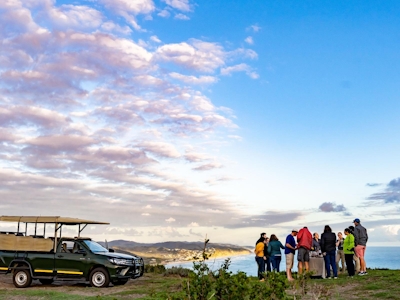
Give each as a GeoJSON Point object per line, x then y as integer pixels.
{"type": "Point", "coordinates": [165, 252]}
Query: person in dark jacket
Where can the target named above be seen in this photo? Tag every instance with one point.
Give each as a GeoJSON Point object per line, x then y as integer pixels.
{"type": "Point", "coordinates": [360, 242]}
{"type": "Point", "coordinates": [267, 259]}
{"type": "Point", "coordinates": [328, 248]}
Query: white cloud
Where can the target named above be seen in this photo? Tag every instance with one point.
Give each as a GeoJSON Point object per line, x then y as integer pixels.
{"type": "Point", "coordinates": [164, 13]}
{"type": "Point", "coordinates": [75, 16]}
{"type": "Point", "coordinates": [249, 40]}
{"type": "Point", "coordinates": [170, 220]}
{"type": "Point", "coordinates": [182, 5]}
{"type": "Point", "coordinates": [240, 68]}
{"type": "Point", "coordinates": [159, 148]}
{"type": "Point", "coordinates": [154, 38]}
{"type": "Point", "coordinates": [129, 9]}
{"type": "Point", "coordinates": [194, 79]}
{"type": "Point", "coordinates": [135, 7]}
{"type": "Point", "coordinates": [196, 55]}
{"type": "Point", "coordinates": [181, 17]}
{"type": "Point", "coordinates": [254, 28]}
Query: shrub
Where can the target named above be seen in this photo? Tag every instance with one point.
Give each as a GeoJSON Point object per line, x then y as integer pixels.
{"type": "Point", "coordinates": [177, 271]}
{"type": "Point", "coordinates": [157, 269]}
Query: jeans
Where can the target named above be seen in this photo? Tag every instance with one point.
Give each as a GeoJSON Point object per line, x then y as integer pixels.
{"type": "Point", "coordinates": [261, 266]}
{"type": "Point", "coordinates": [268, 265]}
{"type": "Point", "coordinates": [330, 261]}
{"type": "Point", "coordinates": [276, 261]}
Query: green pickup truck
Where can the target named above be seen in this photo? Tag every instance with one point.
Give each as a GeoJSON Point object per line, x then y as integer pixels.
{"type": "Point", "coordinates": [30, 257]}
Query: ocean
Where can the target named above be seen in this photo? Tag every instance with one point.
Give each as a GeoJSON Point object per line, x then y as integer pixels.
{"type": "Point", "coordinates": [375, 257]}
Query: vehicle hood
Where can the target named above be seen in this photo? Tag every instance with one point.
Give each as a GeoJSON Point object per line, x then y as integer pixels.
{"type": "Point", "coordinates": [117, 255]}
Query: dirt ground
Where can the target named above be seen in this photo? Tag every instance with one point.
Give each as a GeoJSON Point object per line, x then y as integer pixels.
{"type": "Point", "coordinates": [74, 287]}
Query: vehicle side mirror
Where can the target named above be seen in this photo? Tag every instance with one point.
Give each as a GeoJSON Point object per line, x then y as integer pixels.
{"type": "Point", "coordinates": [111, 250]}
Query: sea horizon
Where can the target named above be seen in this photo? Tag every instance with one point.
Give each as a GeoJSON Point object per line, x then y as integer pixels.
{"type": "Point", "coordinates": [376, 257]}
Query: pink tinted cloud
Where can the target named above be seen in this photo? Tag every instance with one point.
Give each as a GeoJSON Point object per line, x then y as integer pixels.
{"type": "Point", "coordinates": [95, 115]}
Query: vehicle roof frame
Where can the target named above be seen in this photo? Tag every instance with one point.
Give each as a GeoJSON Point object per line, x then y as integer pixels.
{"type": "Point", "coordinates": [56, 220]}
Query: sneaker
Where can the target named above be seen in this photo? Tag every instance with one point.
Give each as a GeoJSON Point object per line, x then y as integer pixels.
{"type": "Point", "coordinates": [365, 273]}
{"type": "Point", "coordinates": [329, 277]}
{"type": "Point", "coordinates": [262, 279]}
{"type": "Point", "coordinates": [361, 273]}
{"type": "Point", "coordinates": [334, 277]}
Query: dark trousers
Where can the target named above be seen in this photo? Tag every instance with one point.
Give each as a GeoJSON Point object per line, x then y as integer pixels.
{"type": "Point", "coordinates": [276, 261]}
{"type": "Point", "coordinates": [268, 264]}
{"type": "Point", "coordinates": [349, 264]}
{"type": "Point", "coordinates": [261, 266]}
{"type": "Point", "coordinates": [330, 261]}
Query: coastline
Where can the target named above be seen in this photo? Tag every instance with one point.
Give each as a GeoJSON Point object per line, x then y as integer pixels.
{"type": "Point", "coordinates": [210, 259]}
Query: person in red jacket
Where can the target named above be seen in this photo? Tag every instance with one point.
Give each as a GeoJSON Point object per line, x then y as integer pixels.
{"type": "Point", "coordinates": [304, 243]}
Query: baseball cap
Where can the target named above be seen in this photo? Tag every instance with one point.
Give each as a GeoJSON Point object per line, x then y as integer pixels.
{"type": "Point", "coordinates": [295, 230]}
{"type": "Point", "coordinates": [357, 220]}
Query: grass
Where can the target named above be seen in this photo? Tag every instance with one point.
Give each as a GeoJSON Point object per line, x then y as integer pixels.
{"type": "Point", "coordinates": [378, 284]}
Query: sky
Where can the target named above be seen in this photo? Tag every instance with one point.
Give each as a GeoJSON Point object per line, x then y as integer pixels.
{"type": "Point", "coordinates": [181, 119]}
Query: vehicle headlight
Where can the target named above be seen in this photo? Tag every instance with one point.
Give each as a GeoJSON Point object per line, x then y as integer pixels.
{"type": "Point", "coordinates": [120, 261]}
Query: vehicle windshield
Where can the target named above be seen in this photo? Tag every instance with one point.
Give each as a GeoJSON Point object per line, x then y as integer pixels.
{"type": "Point", "coordinates": [95, 247]}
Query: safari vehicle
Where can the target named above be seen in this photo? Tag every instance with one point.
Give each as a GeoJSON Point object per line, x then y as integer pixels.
{"type": "Point", "coordinates": [47, 259]}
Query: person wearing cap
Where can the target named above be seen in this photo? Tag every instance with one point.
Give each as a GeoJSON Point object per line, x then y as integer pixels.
{"type": "Point", "coordinates": [290, 248]}
{"type": "Point", "coordinates": [304, 243]}
{"type": "Point", "coordinates": [360, 242]}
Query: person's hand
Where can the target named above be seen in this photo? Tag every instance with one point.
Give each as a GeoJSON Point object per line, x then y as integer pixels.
{"type": "Point", "coordinates": [265, 258]}
{"type": "Point", "coordinates": [324, 253]}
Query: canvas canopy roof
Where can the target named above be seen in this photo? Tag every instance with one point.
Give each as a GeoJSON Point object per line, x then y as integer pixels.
{"type": "Point", "coordinates": [46, 219]}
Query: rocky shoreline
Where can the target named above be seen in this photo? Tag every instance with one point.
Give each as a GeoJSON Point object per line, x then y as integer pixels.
{"type": "Point", "coordinates": [164, 255]}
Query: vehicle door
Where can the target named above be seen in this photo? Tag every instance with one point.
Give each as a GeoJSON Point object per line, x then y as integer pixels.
{"type": "Point", "coordinates": [71, 260]}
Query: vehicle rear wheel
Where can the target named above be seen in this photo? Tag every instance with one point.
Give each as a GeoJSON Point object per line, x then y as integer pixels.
{"type": "Point", "coordinates": [120, 282]}
{"type": "Point", "coordinates": [22, 278]}
{"type": "Point", "coordinates": [46, 281]}
{"type": "Point", "coordinates": [99, 278]}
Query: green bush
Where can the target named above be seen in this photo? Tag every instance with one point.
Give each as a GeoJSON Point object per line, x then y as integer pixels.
{"type": "Point", "coordinates": [200, 282]}
{"type": "Point", "coordinates": [177, 271]}
{"type": "Point", "coordinates": [230, 286]}
{"type": "Point", "coordinates": [157, 269]}
{"type": "Point", "coordinates": [222, 284]}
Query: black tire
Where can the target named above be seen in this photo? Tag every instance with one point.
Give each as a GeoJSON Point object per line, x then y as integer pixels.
{"type": "Point", "coordinates": [99, 278]}
{"type": "Point", "coordinates": [120, 282]}
{"type": "Point", "coordinates": [46, 281]}
{"type": "Point", "coordinates": [22, 278]}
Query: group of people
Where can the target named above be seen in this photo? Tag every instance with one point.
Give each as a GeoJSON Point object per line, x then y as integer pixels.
{"type": "Point", "coordinates": [349, 250]}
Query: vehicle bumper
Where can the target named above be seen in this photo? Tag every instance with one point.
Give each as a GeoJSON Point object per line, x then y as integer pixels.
{"type": "Point", "coordinates": [126, 272]}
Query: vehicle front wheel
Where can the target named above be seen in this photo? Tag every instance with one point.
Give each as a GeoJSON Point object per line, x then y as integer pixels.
{"type": "Point", "coordinates": [46, 281]}
{"type": "Point", "coordinates": [99, 278]}
{"type": "Point", "coordinates": [22, 278]}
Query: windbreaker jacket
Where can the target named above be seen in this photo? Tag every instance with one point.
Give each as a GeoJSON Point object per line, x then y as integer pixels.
{"type": "Point", "coordinates": [348, 244]}
{"type": "Point", "coordinates": [360, 235]}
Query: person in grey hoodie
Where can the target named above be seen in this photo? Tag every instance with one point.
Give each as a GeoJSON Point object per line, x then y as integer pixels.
{"type": "Point", "coordinates": [360, 244]}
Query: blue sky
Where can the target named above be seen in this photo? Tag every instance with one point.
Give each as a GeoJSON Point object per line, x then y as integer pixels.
{"type": "Point", "coordinates": [174, 119]}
